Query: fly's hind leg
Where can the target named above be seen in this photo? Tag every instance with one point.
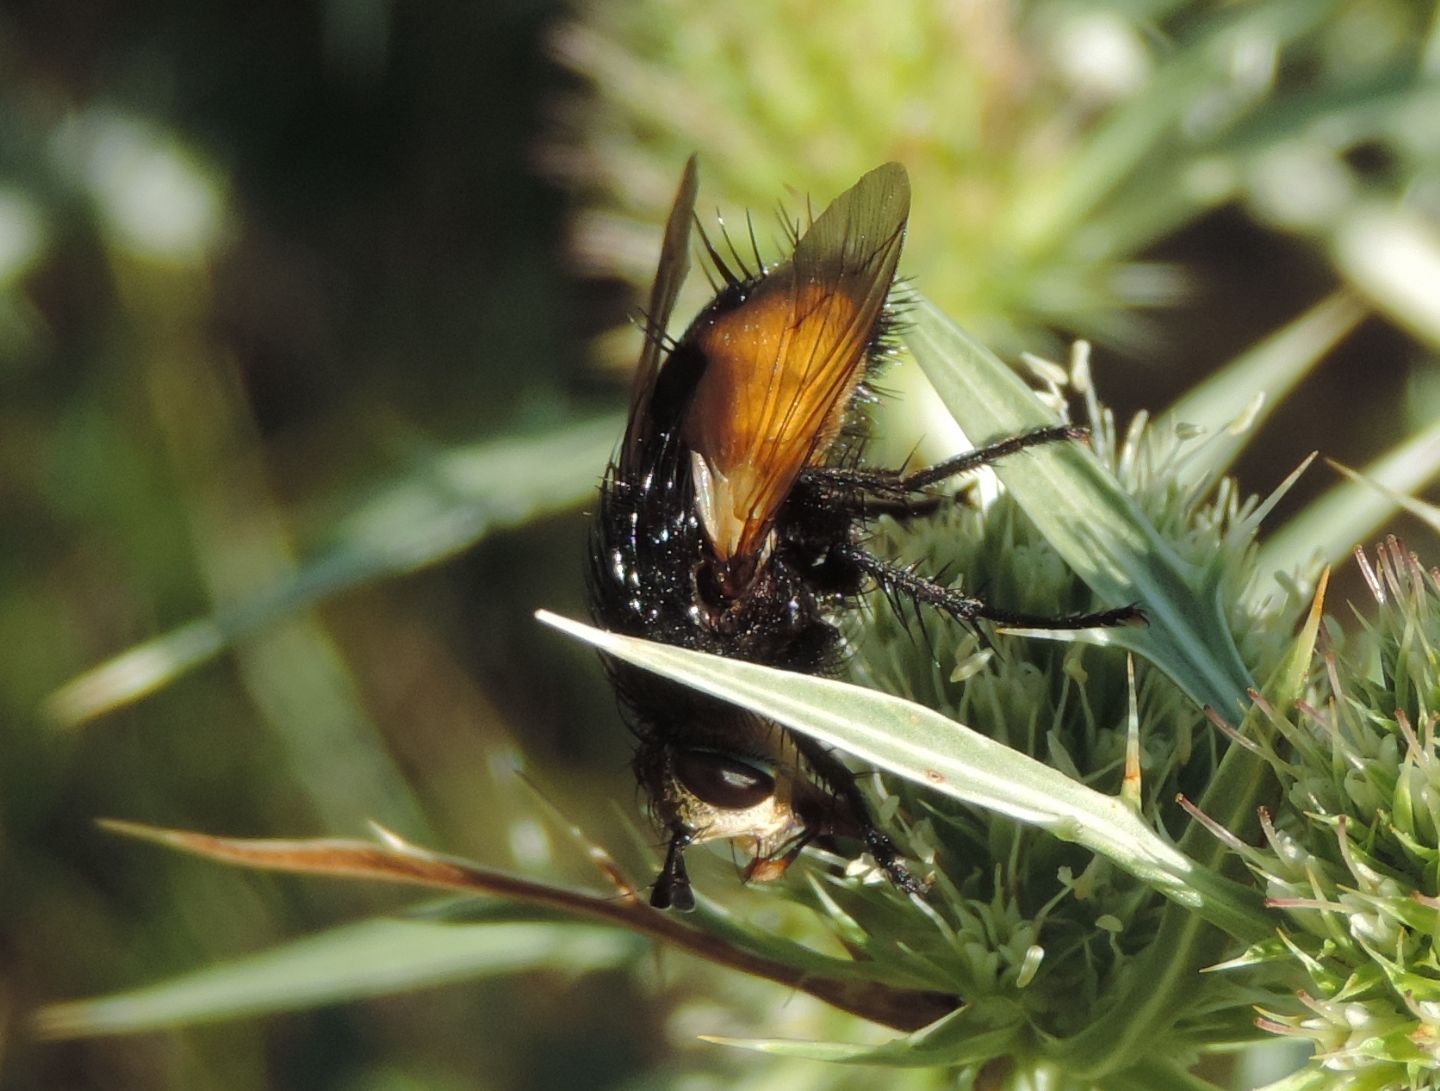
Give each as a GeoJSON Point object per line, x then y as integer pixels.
{"type": "Point", "coordinates": [899, 582]}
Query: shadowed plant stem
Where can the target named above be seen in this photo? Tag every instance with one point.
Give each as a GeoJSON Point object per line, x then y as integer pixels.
{"type": "Point", "coordinates": [395, 861]}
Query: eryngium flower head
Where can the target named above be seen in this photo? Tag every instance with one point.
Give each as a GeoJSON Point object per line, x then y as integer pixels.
{"type": "Point", "coordinates": [1353, 854]}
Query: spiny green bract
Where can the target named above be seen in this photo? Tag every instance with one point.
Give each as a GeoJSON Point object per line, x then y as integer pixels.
{"type": "Point", "coordinates": [1353, 855]}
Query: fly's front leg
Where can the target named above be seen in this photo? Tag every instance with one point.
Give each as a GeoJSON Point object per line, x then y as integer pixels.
{"type": "Point", "coordinates": [853, 816]}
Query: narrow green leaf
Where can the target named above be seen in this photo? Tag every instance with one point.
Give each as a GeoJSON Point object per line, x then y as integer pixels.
{"type": "Point", "coordinates": [974, 1033]}
{"type": "Point", "coordinates": [1327, 530]}
{"type": "Point", "coordinates": [1269, 370]}
{"type": "Point", "coordinates": [447, 505]}
{"type": "Point", "coordinates": [372, 958]}
{"type": "Point", "coordinates": [923, 746]}
{"type": "Point", "coordinates": [1426, 513]}
{"type": "Point", "coordinates": [1087, 517]}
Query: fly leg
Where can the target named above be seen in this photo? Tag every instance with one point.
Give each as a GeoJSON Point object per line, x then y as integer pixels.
{"type": "Point", "coordinates": [852, 815]}
{"type": "Point", "coordinates": [899, 581]}
{"type": "Point", "coordinates": [969, 461]}
{"type": "Point", "coordinates": [883, 492]}
{"type": "Point", "coordinates": [864, 493]}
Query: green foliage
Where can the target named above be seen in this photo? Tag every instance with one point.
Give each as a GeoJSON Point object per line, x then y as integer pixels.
{"type": "Point", "coordinates": [1073, 931]}
{"type": "Point", "coordinates": [224, 311]}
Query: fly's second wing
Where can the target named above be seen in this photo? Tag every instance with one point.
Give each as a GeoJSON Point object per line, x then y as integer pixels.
{"type": "Point", "coordinates": [781, 367]}
{"type": "Point", "coordinates": [669, 276]}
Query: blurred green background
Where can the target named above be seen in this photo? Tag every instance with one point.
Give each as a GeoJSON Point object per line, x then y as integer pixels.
{"type": "Point", "coordinates": [278, 284]}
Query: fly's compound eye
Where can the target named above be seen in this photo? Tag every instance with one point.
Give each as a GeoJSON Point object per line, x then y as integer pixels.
{"type": "Point", "coordinates": [722, 781]}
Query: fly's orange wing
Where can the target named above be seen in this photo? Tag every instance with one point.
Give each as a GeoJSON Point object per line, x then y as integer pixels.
{"type": "Point", "coordinates": [781, 367]}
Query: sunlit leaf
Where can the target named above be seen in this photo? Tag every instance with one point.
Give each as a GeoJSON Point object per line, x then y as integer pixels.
{"type": "Point", "coordinates": [925, 747]}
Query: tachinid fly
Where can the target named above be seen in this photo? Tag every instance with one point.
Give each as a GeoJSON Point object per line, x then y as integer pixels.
{"type": "Point", "coordinates": [733, 521]}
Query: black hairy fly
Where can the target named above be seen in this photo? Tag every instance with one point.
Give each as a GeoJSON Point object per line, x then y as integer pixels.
{"type": "Point", "coordinates": [733, 520]}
